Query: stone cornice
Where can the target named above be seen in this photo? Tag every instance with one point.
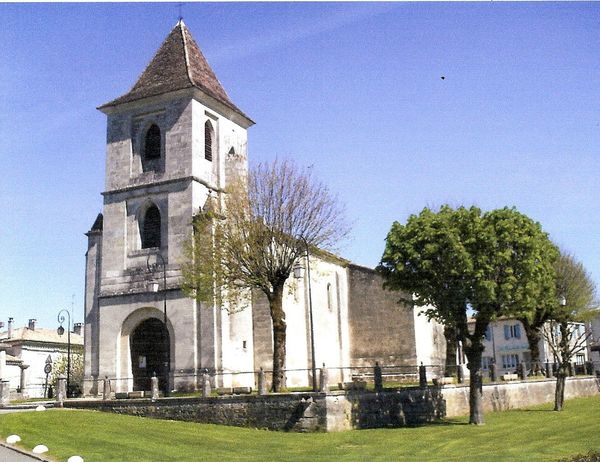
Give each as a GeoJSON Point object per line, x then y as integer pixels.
{"type": "Point", "coordinates": [154, 184]}
{"type": "Point", "coordinates": [126, 293]}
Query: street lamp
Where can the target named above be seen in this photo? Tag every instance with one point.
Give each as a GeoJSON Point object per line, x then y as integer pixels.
{"type": "Point", "coordinates": [153, 287]}
{"type": "Point", "coordinates": [61, 331]}
{"type": "Point", "coordinates": [298, 275]}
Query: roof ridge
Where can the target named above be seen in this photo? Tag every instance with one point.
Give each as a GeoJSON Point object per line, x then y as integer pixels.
{"type": "Point", "coordinates": [176, 65]}
{"type": "Point", "coordinates": [186, 54]}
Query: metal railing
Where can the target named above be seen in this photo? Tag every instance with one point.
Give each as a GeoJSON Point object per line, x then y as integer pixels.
{"type": "Point", "coordinates": [378, 377]}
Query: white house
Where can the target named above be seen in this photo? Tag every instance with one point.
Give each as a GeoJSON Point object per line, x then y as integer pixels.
{"type": "Point", "coordinates": [506, 344]}
{"type": "Point", "coordinates": [26, 351]}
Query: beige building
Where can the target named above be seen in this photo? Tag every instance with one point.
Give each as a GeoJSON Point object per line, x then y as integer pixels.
{"type": "Point", "coordinates": [25, 351]}
{"type": "Point", "coordinates": [174, 140]}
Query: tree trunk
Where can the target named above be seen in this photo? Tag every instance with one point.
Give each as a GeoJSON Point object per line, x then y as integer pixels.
{"type": "Point", "coordinates": [474, 354]}
{"type": "Point", "coordinates": [533, 337]}
{"type": "Point", "coordinates": [279, 332]}
{"type": "Point", "coordinates": [451, 343]}
{"type": "Point", "coordinates": [559, 394]}
{"type": "Point", "coordinates": [563, 366]}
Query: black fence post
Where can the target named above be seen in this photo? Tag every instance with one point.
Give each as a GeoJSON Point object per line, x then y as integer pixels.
{"type": "Point", "coordinates": [378, 377]}
{"type": "Point", "coordinates": [548, 370]}
{"type": "Point", "coordinates": [422, 376]}
{"type": "Point", "coordinates": [493, 372]}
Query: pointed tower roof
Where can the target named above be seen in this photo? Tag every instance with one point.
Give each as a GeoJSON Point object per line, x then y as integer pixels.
{"type": "Point", "coordinates": [178, 64]}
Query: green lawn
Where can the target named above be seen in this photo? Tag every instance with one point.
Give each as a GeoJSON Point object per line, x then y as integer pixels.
{"type": "Point", "coordinates": [536, 434]}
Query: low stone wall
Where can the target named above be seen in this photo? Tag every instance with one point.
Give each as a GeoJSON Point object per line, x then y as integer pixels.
{"type": "Point", "coordinates": [514, 395]}
{"type": "Point", "coordinates": [342, 410]}
{"type": "Point", "coordinates": [299, 412]}
{"type": "Point", "coordinates": [390, 408]}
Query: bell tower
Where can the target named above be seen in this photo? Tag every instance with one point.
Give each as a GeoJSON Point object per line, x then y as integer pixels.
{"type": "Point", "coordinates": [172, 140]}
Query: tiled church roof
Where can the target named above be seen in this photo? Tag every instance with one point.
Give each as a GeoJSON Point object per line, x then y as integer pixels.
{"type": "Point", "coordinates": [177, 64]}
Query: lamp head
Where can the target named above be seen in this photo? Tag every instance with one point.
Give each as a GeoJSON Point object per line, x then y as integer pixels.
{"type": "Point", "coordinates": [153, 286]}
{"type": "Point", "coordinates": [298, 270]}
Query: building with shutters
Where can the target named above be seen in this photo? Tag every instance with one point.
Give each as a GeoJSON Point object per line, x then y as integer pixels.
{"type": "Point", "coordinates": [506, 344]}
{"type": "Point", "coordinates": [174, 141]}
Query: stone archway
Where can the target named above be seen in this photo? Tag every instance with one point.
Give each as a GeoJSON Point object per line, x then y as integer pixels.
{"type": "Point", "coordinates": [149, 345]}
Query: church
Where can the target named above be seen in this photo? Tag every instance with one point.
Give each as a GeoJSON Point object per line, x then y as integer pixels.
{"type": "Point", "coordinates": [173, 141]}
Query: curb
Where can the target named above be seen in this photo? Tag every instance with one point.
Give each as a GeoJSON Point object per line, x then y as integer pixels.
{"type": "Point", "coordinates": [24, 452]}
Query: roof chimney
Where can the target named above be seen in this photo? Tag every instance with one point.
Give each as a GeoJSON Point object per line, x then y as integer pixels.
{"type": "Point", "coordinates": [77, 328]}
{"type": "Point", "coordinates": [31, 325]}
{"type": "Point", "coordinates": [10, 327]}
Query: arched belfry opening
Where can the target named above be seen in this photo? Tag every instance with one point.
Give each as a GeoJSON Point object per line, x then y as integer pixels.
{"type": "Point", "coordinates": [152, 143]}
{"type": "Point", "coordinates": [150, 228]}
{"type": "Point", "coordinates": [150, 349]}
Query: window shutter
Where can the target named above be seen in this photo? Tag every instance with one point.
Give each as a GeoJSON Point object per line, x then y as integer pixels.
{"type": "Point", "coordinates": [208, 140]}
{"type": "Point", "coordinates": [506, 332]}
{"type": "Point", "coordinates": [517, 331]}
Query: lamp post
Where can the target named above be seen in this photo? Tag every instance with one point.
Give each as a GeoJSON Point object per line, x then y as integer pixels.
{"type": "Point", "coordinates": [298, 275]}
{"type": "Point", "coordinates": [61, 331]}
{"type": "Point", "coordinates": [153, 286]}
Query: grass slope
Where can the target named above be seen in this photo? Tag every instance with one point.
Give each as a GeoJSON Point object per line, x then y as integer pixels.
{"type": "Point", "coordinates": [537, 434]}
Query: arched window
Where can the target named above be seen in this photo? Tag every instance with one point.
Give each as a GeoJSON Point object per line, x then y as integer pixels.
{"type": "Point", "coordinates": [209, 135]}
{"type": "Point", "coordinates": [151, 228]}
{"type": "Point", "coordinates": [152, 143]}
{"type": "Point", "coordinates": [329, 297]}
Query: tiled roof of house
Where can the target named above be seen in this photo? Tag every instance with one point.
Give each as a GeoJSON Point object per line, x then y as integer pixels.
{"type": "Point", "coordinates": [39, 334]}
{"type": "Point", "coordinates": [178, 64]}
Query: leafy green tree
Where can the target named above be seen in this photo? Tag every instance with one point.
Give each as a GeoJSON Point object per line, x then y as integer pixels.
{"type": "Point", "coordinates": [575, 304]}
{"type": "Point", "coordinates": [457, 262]}
{"type": "Point", "coordinates": [59, 367]}
{"type": "Point", "coordinates": [251, 237]}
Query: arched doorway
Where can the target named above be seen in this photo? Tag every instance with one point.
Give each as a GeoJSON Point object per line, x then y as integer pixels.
{"type": "Point", "coordinates": [149, 346]}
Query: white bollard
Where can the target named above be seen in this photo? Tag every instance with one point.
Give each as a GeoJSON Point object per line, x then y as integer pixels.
{"type": "Point", "coordinates": [12, 439]}
{"type": "Point", "coordinates": [40, 449]}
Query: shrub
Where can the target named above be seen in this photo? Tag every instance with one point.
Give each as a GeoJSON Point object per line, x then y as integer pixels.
{"type": "Point", "coordinates": [591, 456]}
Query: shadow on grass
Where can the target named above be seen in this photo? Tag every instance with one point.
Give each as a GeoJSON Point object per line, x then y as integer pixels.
{"type": "Point", "coordinates": [437, 423]}
{"type": "Point", "coordinates": [533, 410]}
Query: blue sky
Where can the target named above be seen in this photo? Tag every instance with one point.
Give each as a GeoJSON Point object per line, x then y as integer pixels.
{"type": "Point", "coordinates": [353, 89]}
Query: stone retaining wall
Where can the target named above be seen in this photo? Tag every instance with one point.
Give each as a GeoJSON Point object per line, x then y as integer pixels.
{"type": "Point", "coordinates": [514, 395]}
{"type": "Point", "coordinates": [288, 412]}
{"type": "Point", "coordinates": [342, 410]}
{"type": "Point", "coordinates": [300, 412]}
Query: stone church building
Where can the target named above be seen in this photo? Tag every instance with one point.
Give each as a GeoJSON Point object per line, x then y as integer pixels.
{"type": "Point", "coordinates": [174, 140]}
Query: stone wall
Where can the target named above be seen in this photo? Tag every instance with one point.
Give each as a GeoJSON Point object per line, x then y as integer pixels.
{"type": "Point", "coordinates": [342, 410]}
{"type": "Point", "coordinates": [285, 412]}
{"type": "Point", "coordinates": [388, 409]}
{"type": "Point", "coordinates": [298, 412]}
{"type": "Point", "coordinates": [514, 395]}
{"type": "Point", "coordinates": [380, 329]}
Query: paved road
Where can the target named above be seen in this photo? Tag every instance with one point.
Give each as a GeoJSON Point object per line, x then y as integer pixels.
{"type": "Point", "coordinates": [10, 455]}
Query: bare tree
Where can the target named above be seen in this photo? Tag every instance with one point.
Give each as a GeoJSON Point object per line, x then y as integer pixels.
{"type": "Point", "coordinates": [565, 340]}
{"type": "Point", "coordinates": [576, 293]}
{"type": "Point", "coordinates": [256, 232]}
